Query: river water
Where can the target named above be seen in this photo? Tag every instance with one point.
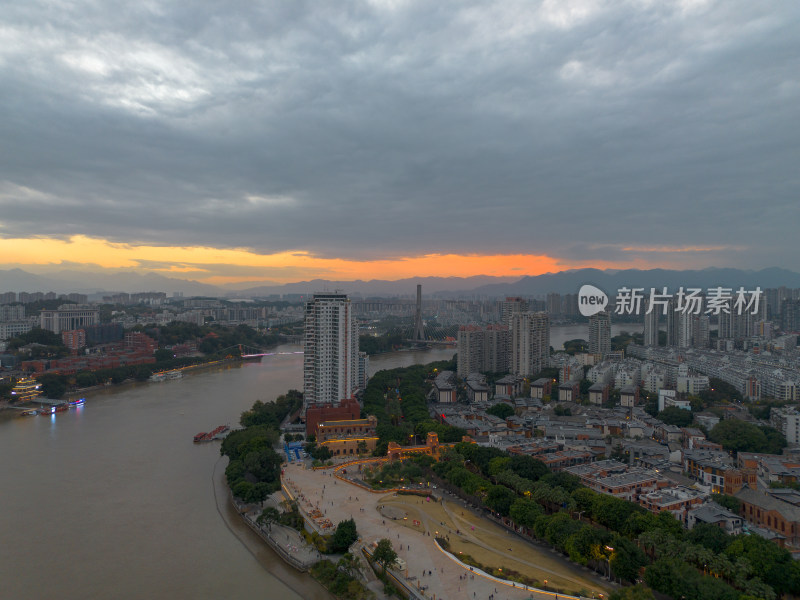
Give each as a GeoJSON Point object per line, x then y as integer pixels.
{"type": "Point", "coordinates": [113, 500]}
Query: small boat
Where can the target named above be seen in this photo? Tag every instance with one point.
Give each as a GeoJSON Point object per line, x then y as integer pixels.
{"type": "Point", "coordinates": [219, 432]}
{"type": "Point", "coordinates": [78, 402]}
{"type": "Point", "coordinates": [53, 409]}
{"type": "Point", "coordinates": [174, 374]}
{"type": "Point", "coordinates": [158, 377]}
{"type": "Point", "coordinates": [30, 413]}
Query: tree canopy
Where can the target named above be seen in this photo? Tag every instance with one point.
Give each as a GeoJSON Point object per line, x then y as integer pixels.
{"type": "Point", "coordinates": [384, 554]}
{"type": "Point", "coordinates": [502, 410]}
{"type": "Point", "coordinates": [344, 536]}
{"type": "Point", "coordinates": [672, 415]}
{"type": "Point", "coordinates": [740, 436]}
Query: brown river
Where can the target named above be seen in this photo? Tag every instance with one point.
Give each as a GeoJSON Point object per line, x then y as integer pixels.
{"type": "Point", "coordinates": [113, 500]}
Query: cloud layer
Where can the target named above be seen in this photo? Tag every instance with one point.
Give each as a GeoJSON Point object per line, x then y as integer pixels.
{"type": "Point", "coordinates": [579, 130]}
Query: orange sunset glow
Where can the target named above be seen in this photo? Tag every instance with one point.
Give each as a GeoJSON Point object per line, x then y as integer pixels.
{"type": "Point", "coordinates": [212, 265]}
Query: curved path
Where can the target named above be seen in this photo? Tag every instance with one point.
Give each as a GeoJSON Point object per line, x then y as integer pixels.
{"type": "Point", "coordinates": [468, 534]}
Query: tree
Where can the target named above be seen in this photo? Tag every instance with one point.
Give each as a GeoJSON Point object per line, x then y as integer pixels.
{"type": "Point", "coordinates": [84, 379]}
{"type": "Point", "coordinates": [344, 536]}
{"type": "Point", "coordinates": [583, 499]}
{"type": "Point", "coordinates": [162, 354]}
{"type": "Point", "coordinates": [579, 545]}
{"type": "Point", "coordinates": [501, 410]}
{"type": "Point", "coordinates": [709, 536]}
{"type": "Point", "coordinates": [268, 516]}
{"type": "Point", "coordinates": [524, 511]}
{"type": "Point", "coordinates": [720, 391]}
{"type": "Point", "coordinates": [53, 386]}
{"type": "Point", "coordinates": [610, 511]}
{"type": "Point", "coordinates": [560, 528]}
{"type": "Point", "coordinates": [740, 436]}
{"type": "Point", "coordinates": [528, 467]}
{"type": "Point", "coordinates": [636, 592]}
{"type": "Point", "coordinates": [384, 554]}
{"type": "Point", "coordinates": [348, 564]}
{"type": "Point", "coordinates": [626, 558]}
{"type": "Point", "coordinates": [499, 499]}
{"type": "Point", "coordinates": [37, 335]}
{"type": "Point", "coordinates": [672, 415]}
{"type": "Point", "coordinates": [732, 503]}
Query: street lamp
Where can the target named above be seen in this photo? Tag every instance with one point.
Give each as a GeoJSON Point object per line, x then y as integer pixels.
{"type": "Point", "coordinates": [608, 560]}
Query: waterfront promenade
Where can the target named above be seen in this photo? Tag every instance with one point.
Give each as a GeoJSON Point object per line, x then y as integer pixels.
{"type": "Point", "coordinates": [427, 565]}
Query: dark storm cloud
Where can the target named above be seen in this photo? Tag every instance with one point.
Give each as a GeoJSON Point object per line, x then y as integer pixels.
{"type": "Point", "coordinates": [400, 128]}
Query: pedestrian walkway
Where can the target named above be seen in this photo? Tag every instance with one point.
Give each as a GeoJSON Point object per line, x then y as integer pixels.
{"type": "Point", "coordinates": [287, 542]}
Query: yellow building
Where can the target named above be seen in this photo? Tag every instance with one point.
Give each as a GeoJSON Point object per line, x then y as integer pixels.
{"type": "Point", "coordinates": [26, 390]}
{"type": "Point", "coordinates": [348, 437]}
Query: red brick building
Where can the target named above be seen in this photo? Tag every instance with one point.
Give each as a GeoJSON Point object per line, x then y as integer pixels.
{"type": "Point", "coordinates": [347, 410]}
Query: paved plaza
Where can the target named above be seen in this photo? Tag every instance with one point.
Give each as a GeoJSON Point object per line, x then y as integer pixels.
{"type": "Point", "coordinates": [443, 577]}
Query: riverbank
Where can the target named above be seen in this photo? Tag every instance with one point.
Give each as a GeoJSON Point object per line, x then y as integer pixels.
{"type": "Point", "coordinates": [258, 543]}
{"type": "Point", "coordinates": [10, 411]}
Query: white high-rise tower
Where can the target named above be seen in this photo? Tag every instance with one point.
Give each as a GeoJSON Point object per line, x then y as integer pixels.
{"type": "Point", "coordinates": [330, 363]}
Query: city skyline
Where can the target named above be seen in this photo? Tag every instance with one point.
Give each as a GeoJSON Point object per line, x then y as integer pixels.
{"type": "Point", "coordinates": [291, 142]}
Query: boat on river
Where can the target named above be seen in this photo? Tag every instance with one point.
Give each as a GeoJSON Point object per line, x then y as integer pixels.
{"type": "Point", "coordinates": [215, 434]}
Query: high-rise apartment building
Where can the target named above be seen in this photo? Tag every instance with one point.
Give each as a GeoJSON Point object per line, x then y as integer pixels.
{"type": "Point", "coordinates": [12, 312]}
{"type": "Point", "coordinates": [733, 326]}
{"type": "Point", "coordinates": [554, 304]}
{"type": "Point", "coordinates": [530, 343]}
{"type": "Point", "coordinates": [483, 349]}
{"type": "Point", "coordinates": [701, 331]}
{"type": "Point", "coordinates": [470, 350]}
{"type": "Point", "coordinates": [600, 333]}
{"type": "Point", "coordinates": [672, 323]}
{"type": "Point", "coordinates": [790, 316]}
{"type": "Point", "coordinates": [651, 320]}
{"type": "Point", "coordinates": [497, 349]}
{"type": "Point", "coordinates": [684, 329]}
{"type": "Point", "coordinates": [512, 306]}
{"type": "Point", "coordinates": [330, 361]}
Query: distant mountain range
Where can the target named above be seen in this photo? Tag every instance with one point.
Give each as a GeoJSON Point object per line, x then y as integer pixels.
{"type": "Point", "coordinates": [87, 282]}
{"type": "Point", "coordinates": [568, 282]}
{"type": "Point", "coordinates": [378, 287]}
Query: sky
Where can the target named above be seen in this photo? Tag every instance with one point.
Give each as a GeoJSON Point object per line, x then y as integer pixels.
{"type": "Point", "coordinates": [244, 141]}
